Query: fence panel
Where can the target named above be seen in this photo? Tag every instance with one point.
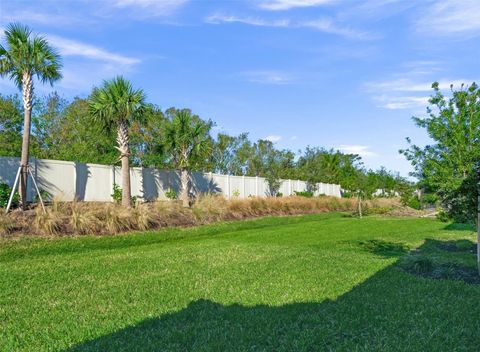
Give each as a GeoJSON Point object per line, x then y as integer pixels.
{"type": "Point", "coordinates": [91, 182]}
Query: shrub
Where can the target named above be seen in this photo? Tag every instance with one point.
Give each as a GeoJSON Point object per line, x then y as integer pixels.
{"type": "Point", "coordinates": [306, 194]}
{"type": "Point", "coordinates": [116, 193]}
{"type": "Point", "coordinates": [46, 197]}
{"type": "Point", "coordinates": [171, 194]}
{"type": "Point", "coordinates": [442, 215]}
{"type": "Point", "coordinates": [5, 191]}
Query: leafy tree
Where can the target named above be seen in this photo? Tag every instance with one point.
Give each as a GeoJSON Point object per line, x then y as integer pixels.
{"type": "Point", "coordinates": [446, 167]}
{"type": "Point", "coordinates": [26, 56]}
{"type": "Point", "coordinates": [228, 154]}
{"type": "Point", "coordinates": [146, 139]}
{"type": "Point", "coordinates": [187, 140]}
{"type": "Point", "coordinates": [11, 119]}
{"type": "Point", "coordinates": [116, 105]}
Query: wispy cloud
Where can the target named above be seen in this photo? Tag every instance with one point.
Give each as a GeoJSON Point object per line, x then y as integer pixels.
{"type": "Point", "coordinates": [450, 17]}
{"type": "Point", "coordinates": [401, 102]}
{"type": "Point", "coordinates": [279, 5]}
{"type": "Point", "coordinates": [407, 93]}
{"type": "Point", "coordinates": [362, 150]}
{"type": "Point", "coordinates": [326, 25]}
{"type": "Point", "coordinates": [267, 77]}
{"type": "Point", "coordinates": [53, 19]}
{"type": "Point", "coordinates": [68, 47]}
{"type": "Point", "coordinates": [151, 7]}
{"type": "Point", "coordinates": [273, 138]}
{"type": "Point", "coordinates": [219, 18]}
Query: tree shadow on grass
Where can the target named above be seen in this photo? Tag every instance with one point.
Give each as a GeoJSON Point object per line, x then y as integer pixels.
{"type": "Point", "coordinates": [460, 227]}
{"type": "Point", "coordinates": [394, 310]}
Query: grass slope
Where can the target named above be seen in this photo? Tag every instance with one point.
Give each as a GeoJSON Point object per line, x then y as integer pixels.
{"type": "Point", "coordinates": [317, 282]}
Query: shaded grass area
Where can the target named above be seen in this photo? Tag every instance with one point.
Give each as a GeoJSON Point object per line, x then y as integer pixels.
{"type": "Point", "coordinates": [317, 282]}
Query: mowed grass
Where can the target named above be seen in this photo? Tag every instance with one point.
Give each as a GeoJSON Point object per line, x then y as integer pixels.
{"type": "Point", "coordinates": [308, 283]}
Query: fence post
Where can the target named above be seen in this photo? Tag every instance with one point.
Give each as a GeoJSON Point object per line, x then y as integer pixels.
{"type": "Point", "coordinates": [243, 184]}
{"type": "Point", "coordinates": [228, 186]}
{"type": "Point", "coordinates": [112, 180]}
{"type": "Point", "coordinates": [256, 186]}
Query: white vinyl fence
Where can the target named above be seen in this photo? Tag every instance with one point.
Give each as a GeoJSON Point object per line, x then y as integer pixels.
{"type": "Point", "coordinates": [69, 180]}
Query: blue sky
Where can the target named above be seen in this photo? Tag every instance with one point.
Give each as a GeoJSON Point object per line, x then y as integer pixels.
{"type": "Point", "coordinates": [338, 74]}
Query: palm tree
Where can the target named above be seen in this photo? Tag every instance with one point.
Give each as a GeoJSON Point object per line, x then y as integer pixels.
{"type": "Point", "coordinates": [115, 105]}
{"type": "Point", "coordinates": [186, 136]}
{"type": "Point", "coordinates": [25, 56]}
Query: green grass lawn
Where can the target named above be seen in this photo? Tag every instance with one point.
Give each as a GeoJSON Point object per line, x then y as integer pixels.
{"type": "Point", "coordinates": [310, 283]}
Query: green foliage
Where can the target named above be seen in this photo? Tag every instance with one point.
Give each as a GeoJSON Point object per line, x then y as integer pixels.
{"type": "Point", "coordinates": [116, 102]}
{"type": "Point", "coordinates": [447, 167]}
{"type": "Point", "coordinates": [236, 193]}
{"type": "Point", "coordinates": [414, 203]}
{"type": "Point", "coordinates": [443, 216]}
{"type": "Point", "coordinates": [5, 191]}
{"type": "Point", "coordinates": [11, 123]}
{"type": "Point", "coordinates": [46, 197]}
{"type": "Point", "coordinates": [305, 194]}
{"type": "Point", "coordinates": [187, 139]}
{"type": "Point", "coordinates": [171, 194]}
{"type": "Point", "coordinates": [28, 53]}
{"type": "Point", "coordinates": [116, 193]}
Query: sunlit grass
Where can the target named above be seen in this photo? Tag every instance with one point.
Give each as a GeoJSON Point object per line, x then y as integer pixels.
{"type": "Point", "coordinates": [316, 282]}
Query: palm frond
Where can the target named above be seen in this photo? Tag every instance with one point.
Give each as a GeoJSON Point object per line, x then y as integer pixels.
{"type": "Point", "coordinates": [116, 101]}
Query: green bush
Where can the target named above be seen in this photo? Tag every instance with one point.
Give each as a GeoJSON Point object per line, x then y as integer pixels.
{"type": "Point", "coordinates": [5, 191]}
{"type": "Point", "coordinates": [117, 193]}
{"type": "Point", "coordinates": [411, 200]}
{"type": "Point", "coordinates": [171, 194]}
{"type": "Point", "coordinates": [442, 215]}
{"type": "Point", "coordinates": [305, 194]}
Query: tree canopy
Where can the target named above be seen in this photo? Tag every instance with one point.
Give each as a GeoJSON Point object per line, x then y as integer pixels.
{"type": "Point", "coordinates": [446, 167]}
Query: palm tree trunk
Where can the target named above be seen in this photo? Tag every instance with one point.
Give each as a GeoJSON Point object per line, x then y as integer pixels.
{"type": "Point", "coordinates": [184, 193]}
{"type": "Point", "coordinates": [27, 91]}
{"type": "Point", "coordinates": [122, 141]}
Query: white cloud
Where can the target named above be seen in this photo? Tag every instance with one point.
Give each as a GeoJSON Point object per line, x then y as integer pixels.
{"type": "Point", "coordinates": [43, 18]}
{"type": "Point", "coordinates": [450, 17]}
{"type": "Point", "coordinates": [326, 25]}
{"type": "Point", "coordinates": [267, 77]}
{"type": "Point", "coordinates": [273, 138]}
{"type": "Point", "coordinates": [362, 150]}
{"type": "Point", "coordinates": [401, 102]}
{"type": "Point", "coordinates": [278, 5]}
{"type": "Point", "coordinates": [409, 85]}
{"type": "Point", "coordinates": [151, 7]}
{"type": "Point", "coordinates": [399, 94]}
{"type": "Point", "coordinates": [68, 47]}
{"type": "Point", "coordinates": [253, 21]}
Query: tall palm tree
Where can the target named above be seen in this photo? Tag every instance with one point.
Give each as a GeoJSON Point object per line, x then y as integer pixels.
{"type": "Point", "coordinates": [25, 56]}
{"type": "Point", "coordinates": [115, 105]}
{"type": "Point", "coordinates": [186, 136]}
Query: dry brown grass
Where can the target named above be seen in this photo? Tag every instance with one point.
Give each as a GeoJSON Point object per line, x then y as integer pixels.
{"type": "Point", "coordinates": [48, 223]}
{"type": "Point", "coordinates": [6, 224]}
{"type": "Point", "coordinates": [80, 218]}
